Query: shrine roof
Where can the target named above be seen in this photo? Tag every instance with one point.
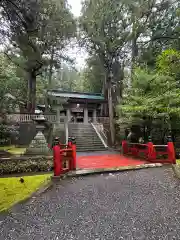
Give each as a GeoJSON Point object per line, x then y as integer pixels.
{"type": "Point", "coordinates": [76, 95]}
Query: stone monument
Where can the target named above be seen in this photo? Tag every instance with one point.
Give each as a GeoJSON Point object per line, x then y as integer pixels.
{"type": "Point", "coordinates": [39, 145]}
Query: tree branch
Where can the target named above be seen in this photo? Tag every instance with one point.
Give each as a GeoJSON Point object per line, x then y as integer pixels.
{"type": "Point", "coordinates": [17, 64]}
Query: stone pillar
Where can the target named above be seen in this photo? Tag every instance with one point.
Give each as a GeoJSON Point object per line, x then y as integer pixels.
{"type": "Point", "coordinates": [75, 119]}
{"type": "Point", "coordinates": [68, 113]}
{"type": "Point", "coordinates": [58, 115]}
{"type": "Point", "coordinates": [67, 132]}
{"type": "Point", "coordinates": [94, 116]}
{"type": "Point", "coordinates": [85, 115]}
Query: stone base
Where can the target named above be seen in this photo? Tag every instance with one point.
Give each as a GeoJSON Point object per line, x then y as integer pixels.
{"type": "Point", "coordinates": [38, 146]}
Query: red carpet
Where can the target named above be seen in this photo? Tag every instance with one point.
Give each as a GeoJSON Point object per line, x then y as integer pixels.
{"type": "Point", "coordinates": [107, 161]}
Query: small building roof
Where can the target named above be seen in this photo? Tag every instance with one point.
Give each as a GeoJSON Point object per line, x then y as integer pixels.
{"type": "Point", "coordinates": [77, 95]}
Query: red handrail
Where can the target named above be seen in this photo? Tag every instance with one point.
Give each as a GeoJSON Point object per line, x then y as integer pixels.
{"type": "Point", "coordinates": [150, 151]}
{"type": "Point", "coordinates": [58, 158]}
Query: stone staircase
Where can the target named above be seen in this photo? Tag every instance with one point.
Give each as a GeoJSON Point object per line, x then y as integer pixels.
{"type": "Point", "coordinates": [86, 137]}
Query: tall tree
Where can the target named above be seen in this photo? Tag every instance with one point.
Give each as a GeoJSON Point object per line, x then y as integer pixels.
{"type": "Point", "coordinates": [155, 26]}
{"type": "Point", "coordinates": [38, 29]}
{"type": "Point", "coordinates": [105, 33]}
{"type": "Point", "coordinates": [12, 87]}
{"type": "Point", "coordinates": [93, 75]}
{"type": "Point", "coordinates": [66, 77]}
{"type": "Point", "coordinates": [154, 94]}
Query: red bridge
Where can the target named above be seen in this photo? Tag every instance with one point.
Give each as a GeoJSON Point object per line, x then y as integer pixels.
{"type": "Point", "coordinates": [66, 159]}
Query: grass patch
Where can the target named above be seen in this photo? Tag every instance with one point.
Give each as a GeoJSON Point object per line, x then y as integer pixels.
{"type": "Point", "coordinates": [17, 151]}
{"type": "Point", "coordinates": [12, 190]}
{"type": "Point", "coordinates": [178, 161]}
{"type": "Point", "coordinates": [6, 147]}
{"type": "Point", "coordinates": [13, 150]}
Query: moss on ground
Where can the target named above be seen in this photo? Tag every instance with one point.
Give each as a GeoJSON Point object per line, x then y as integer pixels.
{"type": "Point", "coordinates": [178, 161]}
{"type": "Point", "coordinates": [17, 151]}
{"type": "Point", "coordinates": [12, 190]}
{"type": "Point", "coordinates": [13, 150]}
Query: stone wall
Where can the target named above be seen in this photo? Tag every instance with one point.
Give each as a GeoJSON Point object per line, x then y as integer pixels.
{"type": "Point", "coordinates": [27, 131]}
{"type": "Point", "coordinates": [59, 131]}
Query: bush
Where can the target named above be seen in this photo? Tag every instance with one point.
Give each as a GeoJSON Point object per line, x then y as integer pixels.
{"type": "Point", "coordinates": [4, 135]}
{"type": "Point", "coordinates": [14, 165]}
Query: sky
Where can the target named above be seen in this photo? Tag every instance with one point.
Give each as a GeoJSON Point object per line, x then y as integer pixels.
{"type": "Point", "coordinates": [78, 54]}
{"type": "Point", "coordinates": [76, 6]}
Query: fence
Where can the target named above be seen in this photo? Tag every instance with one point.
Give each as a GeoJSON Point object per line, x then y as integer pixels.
{"type": "Point", "coordinates": [64, 157]}
{"type": "Point", "coordinates": [21, 128]}
{"type": "Point", "coordinates": [25, 118]}
{"type": "Point", "coordinates": [103, 120]}
{"type": "Point", "coordinates": [151, 152]}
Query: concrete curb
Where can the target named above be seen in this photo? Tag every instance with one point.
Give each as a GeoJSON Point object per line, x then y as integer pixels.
{"type": "Point", "coordinates": [87, 172]}
{"type": "Point", "coordinates": [27, 174]}
{"type": "Point", "coordinates": [176, 170]}
{"type": "Point", "coordinates": [42, 189]}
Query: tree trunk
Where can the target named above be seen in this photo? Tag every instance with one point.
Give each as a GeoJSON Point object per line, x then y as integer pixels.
{"type": "Point", "coordinates": [134, 46]}
{"type": "Point", "coordinates": [50, 73]}
{"type": "Point", "coordinates": [31, 92]}
{"type": "Point", "coordinates": [134, 50]}
{"type": "Point", "coordinates": [51, 69]}
{"type": "Point", "coordinates": [111, 111]}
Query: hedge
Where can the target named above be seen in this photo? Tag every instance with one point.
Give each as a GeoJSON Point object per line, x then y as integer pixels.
{"type": "Point", "coordinates": [26, 165]}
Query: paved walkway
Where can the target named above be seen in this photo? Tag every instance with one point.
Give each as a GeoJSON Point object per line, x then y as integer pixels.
{"type": "Point", "coordinates": [107, 159]}
{"type": "Point", "coordinates": [133, 205]}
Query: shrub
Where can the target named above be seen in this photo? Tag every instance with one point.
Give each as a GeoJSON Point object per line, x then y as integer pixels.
{"type": "Point", "coordinates": [4, 135]}
{"type": "Point", "coordinates": [14, 165]}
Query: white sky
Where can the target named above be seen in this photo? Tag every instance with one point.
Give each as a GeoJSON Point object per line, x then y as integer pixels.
{"type": "Point", "coordinates": [76, 6]}
{"type": "Point", "coordinates": [78, 54]}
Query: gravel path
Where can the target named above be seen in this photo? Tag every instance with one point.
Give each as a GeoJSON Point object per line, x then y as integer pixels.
{"type": "Point", "coordinates": [142, 204]}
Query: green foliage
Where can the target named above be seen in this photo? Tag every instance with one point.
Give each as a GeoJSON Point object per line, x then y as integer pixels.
{"type": "Point", "coordinates": [38, 31]}
{"type": "Point", "coordinates": [104, 29]}
{"type": "Point", "coordinates": [66, 78]}
{"type": "Point", "coordinates": [152, 95]}
{"type": "Point", "coordinates": [93, 76]}
{"type": "Point", "coordinates": [155, 27]}
{"type": "Point", "coordinates": [15, 165]}
{"type": "Point", "coordinates": [12, 87]}
{"type": "Point", "coordinates": [4, 135]}
{"type": "Point", "coordinates": [168, 63]}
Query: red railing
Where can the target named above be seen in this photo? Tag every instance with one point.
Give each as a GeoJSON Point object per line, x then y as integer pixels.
{"type": "Point", "coordinates": [151, 152]}
{"type": "Point", "coordinates": [64, 157]}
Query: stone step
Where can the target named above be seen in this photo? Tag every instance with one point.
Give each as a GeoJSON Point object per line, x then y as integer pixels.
{"type": "Point", "coordinates": [83, 149]}
{"type": "Point", "coordinates": [86, 138]}
{"type": "Point", "coordinates": [81, 130]}
{"type": "Point", "coordinates": [91, 150]}
{"type": "Point", "coordinates": [89, 142]}
{"type": "Point", "coordinates": [79, 125]}
{"type": "Point", "coordinates": [73, 132]}
{"type": "Point", "coordinates": [82, 135]}
{"type": "Point", "coordinates": [91, 146]}
{"type": "Point", "coordinates": [90, 127]}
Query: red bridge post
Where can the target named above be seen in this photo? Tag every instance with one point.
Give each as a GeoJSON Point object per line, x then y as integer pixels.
{"type": "Point", "coordinates": [151, 150]}
{"type": "Point", "coordinates": [69, 142]}
{"type": "Point", "coordinates": [125, 149]}
{"type": "Point", "coordinates": [57, 160]}
{"type": "Point", "coordinates": [171, 151]}
{"type": "Point", "coordinates": [73, 165]}
{"type": "Point", "coordinates": [134, 150]}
